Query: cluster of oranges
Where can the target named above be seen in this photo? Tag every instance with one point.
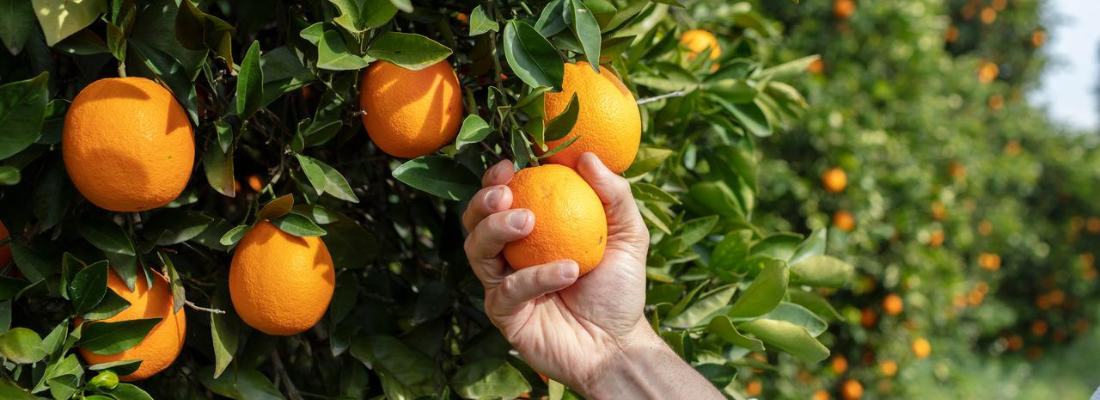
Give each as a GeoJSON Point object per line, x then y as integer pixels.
{"type": "Point", "coordinates": [281, 284]}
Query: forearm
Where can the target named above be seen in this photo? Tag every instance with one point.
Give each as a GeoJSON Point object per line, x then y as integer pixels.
{"type": "Point", "coordinates": [648, 369]}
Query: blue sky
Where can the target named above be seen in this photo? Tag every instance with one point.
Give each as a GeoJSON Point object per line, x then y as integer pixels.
{"type": "Point", "coordinates": [1069, 83]}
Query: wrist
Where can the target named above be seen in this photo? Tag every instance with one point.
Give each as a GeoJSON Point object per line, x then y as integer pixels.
{"type": "Point", "coordinates": [624, 366]}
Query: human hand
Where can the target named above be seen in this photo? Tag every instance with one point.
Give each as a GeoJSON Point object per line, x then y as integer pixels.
{"type": "Point", "coordinates": [564, 327]}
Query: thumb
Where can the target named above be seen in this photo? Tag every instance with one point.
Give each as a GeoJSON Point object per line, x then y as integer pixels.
{"type": "Point", "coordinates": [614, 191]}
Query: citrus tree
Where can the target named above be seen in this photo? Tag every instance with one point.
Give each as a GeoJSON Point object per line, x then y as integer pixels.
{"type": "Point", "coordinates": [360, 129]}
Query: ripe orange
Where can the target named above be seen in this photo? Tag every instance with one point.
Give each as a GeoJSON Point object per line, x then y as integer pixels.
{"type": "Point", "coordinates": [570, 223]}
{"type": "Point", "coordinates": [936, 238]}
{"type": "Point", "coordinates": [921, 348]}
{"type": "Point", "coordinates": [985, 228]}
{"type": "Point", "coordinates": [609, 123]}
{"type": "Point", "coordinates": [698, 41]}
{"type": "Point", "coordinates": [1038, 38]}
{"type": "Point", "coordinates": [951, 34]}
{"type": "Point", "coordinates": [989, 261]}
{"type": "Point", "coordinates": [411, 113]}
{"type": "Point", "coordinates": [996, 102]}
{"type": "Point", "coordinates": [1039, 328]}
{"type": "Point", "coordinates": [851, 390]}
{"type": "Point", "coordinates": [888, 368]}
{"type": "Point", "coordinates": [892, 304]}
{"type": "Point", "coordinates": [255, 183]}
{"type": "Point", "coordinates": [1015, 343]}
{"type": "Point", "coordinates": [843, 9]}
{"type": "Point", "coordinates": [834, 180]}
{"type": "Point", "coordinates": [5, 250]}
{"type": "Point", "coordinates": [939, 211]}
{"type": "Point", "coordinates": [821, 395]}
{"type": "Point", "coordinates": [844, 221]}
{"type": "Point", "coordinates": [867, 318]}
{"type": "Point", "coordinates": [839, 364]}
{"type": "Point", "coordinates": [463, 18]}
{"type": "Point", "coordinates": [988, 72]}
{"type": "Point", "coordinates": [127, 144]}
{"type": "Point", "coordinates": [816, 67]}
{"type": "Point", "coordinates": [163, 343]}
{"type": "Point", "coordinates": [280, 284]}
{"type": "Point", "coordinates": [989, 15]}
{"type": "Point", "coordinates": [754, 387]}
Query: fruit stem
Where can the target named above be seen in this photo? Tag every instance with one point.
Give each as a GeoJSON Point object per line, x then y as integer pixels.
{"type": "Point", "coordinates": [121, 69]}
{"type": "Point", "coordinates": [678, 93]}
{"type": "Point", "coordinates": [291, 390]}
{"type": "Point", "coordinates": [204, 309]}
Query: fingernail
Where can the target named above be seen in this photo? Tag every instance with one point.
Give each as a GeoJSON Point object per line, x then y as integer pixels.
{"type": "Point", "coordinates": [570, 270]}
{"type": "Point", "coordinates": [492, 199]}
{"type": "Point", "coordinates": [518, 219]}
{"type": "Point", "coordinates": [493, 171]}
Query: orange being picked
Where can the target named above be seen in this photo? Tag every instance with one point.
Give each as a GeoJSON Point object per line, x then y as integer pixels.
{"type": "Point", "coordinates": [280, 284]}
{"type": "Point", "coordinates": [411, 113]}
{"type": "Point", "coordinates": [570, 223]}
{"type": "Point", "coordinates": [834, 180]}
{"type": "Point", "coordinates": [127, 144]}
{"type": "Point", "coordinates": [698, 41]}
{"type": "Point", "coordinates": [163, 343]}
{"type": "Point", "coordinates": [608, 123]}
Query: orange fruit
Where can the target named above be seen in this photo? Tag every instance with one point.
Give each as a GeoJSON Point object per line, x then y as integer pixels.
{"type": "Point", "coordinates": [985, 228]}
{"type": "Point", "coordinates": [892, 304]}
{"type": "Point", "coordinates": [255, 183]}
{"type": "Point", "coordinates": [1038, 38]}
{"type": "Point", "coordinates": [127, 144]}
{"type": "Point", "coordinates": [989, 261]}
{"type": "Point", "coordinates": [816, 67]}
{"type": "Point", "coordinates": [280, 284]}
{"type": "Point", "coordinates": [608, 123]}
{"type": "Point", "coordinates": [936, 238]}
{"type": "Point", "coordinates": [888, 368]}
{"type": "Point", "coordinates": [821, 395]}
{"type": "Point", "coordinates": [754, 387]}
{"type": "Point", "coordinates": [988, 72]}
{"type": "Point", "coordinates": [570, 223]}
{"type": "Point", "coordinates": [851, 390]}
{"type": "Point", "coordinates": [1015, 343]}
{"type": "Point", "coordinates": [951, 34]}
{"type": "Point", "coordinates": [921, 348]}
{"type": "Point", "coordinates": [867, 318]}
{"type": "Point", "coordinates": [5, 250]}
{"type": "Point", "coordinates": [843, 9]}
{"type": "Point", "coordinates": [698, 41]}
{"type": "Point", "coordinates": [463, 18]}
{"type": "Point", "coordinates": [411, 113]}
{"type": "Point", "coordinates": [996, 102]}
{"type": "Point", "coordinates": [939, 211]}
{"type": "Point", "coordinates": [163, 343]}
{"type": "Point", "coordinates": [989, 15]}
{"type": "Point", "coordinates": [1039, 328]}
{"type": "Point", "coordinates": [839, 364]}
{"type": "Point", "coordinates": [844, 221]}
{"type": "Point", "coordinates": [834, 180]}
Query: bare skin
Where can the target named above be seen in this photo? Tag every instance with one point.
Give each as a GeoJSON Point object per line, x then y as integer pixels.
{"type": "Point", "coordinates": [588, 333]}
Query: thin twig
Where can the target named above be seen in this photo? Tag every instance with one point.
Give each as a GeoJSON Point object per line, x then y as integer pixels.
{"type": "Point", "coordinates": [204, 309]}
{"type": "Point", "coordinates": [291, 391]}
{"type": "Point", "coordinates": [678, 93]}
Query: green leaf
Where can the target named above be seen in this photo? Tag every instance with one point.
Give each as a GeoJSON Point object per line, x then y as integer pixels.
{"type": "Point", "coordinates": [9, 175]}
{"type": "Point", "coordinates": [359, 15]}
{"type": "Point", "coordinates": [52, 194]}
{"type": "Point", "coordinates": [67, 366]}
{"type": "Point", "coordinates": [405, 372]}
{"type": "Point", "coordinates": [64, 386]}
{"type": "Point", "coordinates": [790, 69]}
{"type": "Point", "coordinates": [729, 252]}
{"type": "Point", "coordinates": [708, 305]}
{"type": "Point", "coordinates": [491, 378]}
{"type": "Point", "coordinates": [224, 331]}
{"type": "Point", "coordinates": [11, 391]}
{"type": "Point", "coordinates": [218, 166]}
{"type": "Point", "coordinates": [313, 32]}
{"type": "Point", "coordinates": [651, 193]}
{"type": "Point", "coordinates": [814, 245]}
{"type": "Point", "coordinates": [534, 60]}
{"type": "Point", "coordinates": [647, 159]}
{"type": "Point", "coordinates": [815, 303]}
{"type": "Point", "coordinates": [480, 22]}
{"type": "Point", "coordinates": [749, 115]}
{"type": "Point", "coordinates": [16, 24]}
{"type": "Point", "coordinates": [822, 271]}
{"type": "Point", "coordinates": [22, 110]}
{"type": "Point", "coordinates": [721, 326]}
{"type": "Point", "coordinates": [179, 296]}
{"type": "Point", "coordinates": [106, 236]}
{"type": "Point", "coordinates": [552, 18]}
{"type": "Point", "coordinates": [276, 208]}
{"type": "Point", "coordinates": [587, 29]}
{"type": "Point", "coordinates": [197, 30]}
{"type": "Point", "coordinates": [61, 18]}
{"type": "Point", "coordinates": [474, 130]}
{"type": "Point", "coordinates": [126, 391]}
{"type": "Point", "coordinates": [439, 176]}
{"type": "Point", "coordinates": [351, 246]}
{"type": "Point", "coordinates": [403, 5]}
{"type": "Point", "coordinates": [22, 346]}
{"type": "Point", "coordinates": [111, 305]}
{"type": "Point", "coordinates": [798, 315]}
{"type": "Point", "coordinates": [250, 88]}
{"type": "Point", "coordinates": [789, 337]}
{"type": "Point", "coordinates": [408, 50]}
{"type": "Point", "coordinates": [234, 235]}
{"type": "Point", "coordinates": [734, 162]}
{"type": "Point", "coordinates": [240, 384]}
{"type": "Point", "coordinates": [298, 225]}
{"type": "Point", "coordinates": [563, 123]}
{"type": "Point", "coordinates": [123, 367]}
{"type": "Point", "coordinates": [173, 74]}
{"type": "Point", "coordinates": [764, 294]}
{"type": "Point", "coordinates": [697, 229]}
{"type": "Point", "coordinates": [88, 287]}
{"type": "Point", "coordinates": [780, 246]}
{"type": "Point", "coordinates": [114, 337]}
{"type": "Point", "coordinates": [176, 226]}
{"type": "Point", "coordinates": [326, 179]}
{"type": "Point", "coordinates": [333, 54]}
